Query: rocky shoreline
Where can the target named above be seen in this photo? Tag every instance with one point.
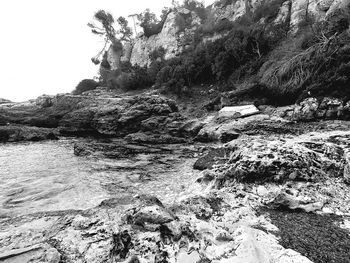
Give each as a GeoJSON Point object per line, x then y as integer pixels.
{"type": "Point", "coordinates": [274, 185]}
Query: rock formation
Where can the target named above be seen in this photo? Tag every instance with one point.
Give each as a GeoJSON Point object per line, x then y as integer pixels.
{"type": "Point", "coordinates": [170, 38]}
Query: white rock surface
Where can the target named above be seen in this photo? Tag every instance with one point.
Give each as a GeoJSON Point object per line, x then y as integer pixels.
{"type": "Point", "coordinates": [238, 111]}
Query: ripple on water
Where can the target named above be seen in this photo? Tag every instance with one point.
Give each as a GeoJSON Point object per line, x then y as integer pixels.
{"type": "Point", "coordinates": [47, 176]}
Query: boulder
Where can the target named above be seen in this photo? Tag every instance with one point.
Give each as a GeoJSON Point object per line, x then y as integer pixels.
{"type": "Point", "coordinates": [148, 210]}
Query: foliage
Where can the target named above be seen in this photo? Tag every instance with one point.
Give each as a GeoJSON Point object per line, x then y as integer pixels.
{"type": "Point", "coordinates": [149, 22]}
{"type": "Point", "coordinates": [316, 64]}
{"type": "Point", "coordinates": [138, 78]}
{"type": "Point", "coordinates": [109, 33]}
{"type": "Point", "coordinates": [229, 59]}
{"type": "Point", "coordinates": [85, 85]}
{"type": "Point", "coordinates": [157, 53]}
{"type": "Point", "coordinates": [197, 7]}
{"type": "Point", "coordinates": [267, 10]}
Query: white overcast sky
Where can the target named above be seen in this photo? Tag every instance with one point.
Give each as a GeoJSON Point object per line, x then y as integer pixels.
{"type": "Point", "coordinates": [46, 46]}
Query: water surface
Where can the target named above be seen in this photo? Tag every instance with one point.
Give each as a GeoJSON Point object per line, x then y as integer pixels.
{"type": "Point", "coordinates": [47, 176]}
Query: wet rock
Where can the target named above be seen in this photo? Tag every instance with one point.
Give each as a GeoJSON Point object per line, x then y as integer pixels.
{"type": "Point", "coordinates": [114, 149]}
{"type": "Point", "coordinates": [145, 138]}
{"type": "Point", "coordinates": [12, 133]}
{"type": "Point", "coordinates": [214, 156]}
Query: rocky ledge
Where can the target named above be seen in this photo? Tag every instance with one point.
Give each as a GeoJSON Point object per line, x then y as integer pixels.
{"type": "Point", "coordinates": [14, 133]}
{"type": "Point", "coordinates": [145, 118]}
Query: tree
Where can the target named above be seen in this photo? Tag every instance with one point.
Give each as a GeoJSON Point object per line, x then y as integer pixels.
{"type": "Point", "coordinates": [112, 37]}
{"type": "Point", "coordinates": [150, 23]}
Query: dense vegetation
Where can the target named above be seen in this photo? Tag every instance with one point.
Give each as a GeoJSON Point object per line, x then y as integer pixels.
{"type": "Point", "coordinates": [85, 85]}
{"type": "Point", "coordinates": [252, 50]}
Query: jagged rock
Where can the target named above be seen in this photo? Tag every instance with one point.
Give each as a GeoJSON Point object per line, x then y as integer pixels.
{"type": "Point", "coordinates": [13, 133]}
{"type": "Point", "coordinates": [304, 158]}
{"type": "Point", "coordinates": [116, 117]}
{"type": "Point", "coordinates": [306, 110]}
{"type": "Point", "coordinates": [330, 108]}
{"type": "Point", "coordinates": [169, 38]}
{"type": "Point", "coordinates": [312, 109]}
{"type": "Point", "coordinates": [149, 210]}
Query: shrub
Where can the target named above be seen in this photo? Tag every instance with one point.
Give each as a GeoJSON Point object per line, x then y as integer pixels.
{"type": "Point", "coordinates": [196, 7]}
{"type": "Point", "coordinates": [137, 79]}
{"type": "Point", "coordinates": [316, 64]}
{"type": "Point", "coordinates": [150, 24]}
{"type": "Point", "coordinates": [85, 85]}
{"type": "Point", "coordinates": [157, 53]}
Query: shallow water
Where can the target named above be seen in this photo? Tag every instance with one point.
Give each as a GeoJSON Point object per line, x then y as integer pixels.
{"type": "Point", "coordinates": [47, 176]}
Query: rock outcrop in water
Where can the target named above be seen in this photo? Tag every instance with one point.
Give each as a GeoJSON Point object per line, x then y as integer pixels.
{"type": "Point", "coordinates": [12, 133]}
{"type": "Point", "coordinates": [145, 118]}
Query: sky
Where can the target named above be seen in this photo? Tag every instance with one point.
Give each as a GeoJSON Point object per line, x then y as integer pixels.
{"type": "Point", "coordinates": [46, 46]}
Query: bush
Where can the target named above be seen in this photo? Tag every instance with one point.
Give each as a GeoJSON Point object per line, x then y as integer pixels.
{"type": "Point", "coordinates": [137, 79]}
{"type": "Point", "coordinates": [85, 85]}
{"type": "Point", "coordinates": [317, 64]}
{"type": "Point", "coordinates": [150, 24]}
{"type": "Point", "coordinates": [157, 53]}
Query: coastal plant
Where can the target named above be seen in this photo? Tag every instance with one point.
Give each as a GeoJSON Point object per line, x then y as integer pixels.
{"type": "Point", "coordinates": [113, 37]}
{"type": "Point", "coordinates": [315, 64]}
{"type": "Point", "coordinates": [85, 85]}
{"type": "Point", "coordinates": [149, 22]}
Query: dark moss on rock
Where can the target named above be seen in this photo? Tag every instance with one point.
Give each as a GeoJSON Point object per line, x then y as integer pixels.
{"type": "Point", "coordinates": [317, 237]}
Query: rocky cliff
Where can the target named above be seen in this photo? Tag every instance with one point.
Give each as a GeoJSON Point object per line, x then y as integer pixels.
{"type": "Point", "coordinates": [173, 41]}
{"type": "Point", "coordinates": [171, 38]}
